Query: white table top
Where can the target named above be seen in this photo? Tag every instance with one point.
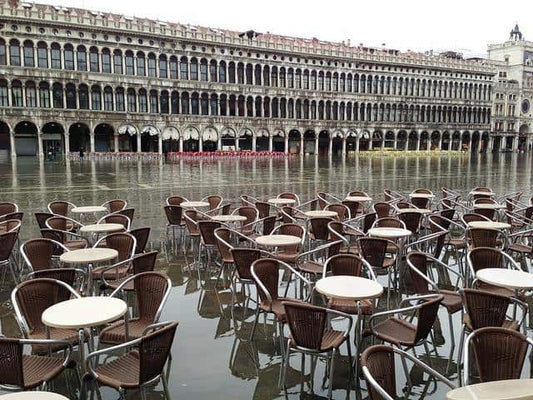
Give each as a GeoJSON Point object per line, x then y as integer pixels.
{"type": "Point", "coordinates": [360, 199]}
{"type": "Point", "coordinates": [415, 210]}
{"type": "Point", "coordinates": [194, 204]}
{"type": "Point", "coordinates": [389, 232]}
{"type": "Point", "coordinates": [421, 195]}
{"type": "Point", "coordinates": [512, 389]}
{"type": "Point", "coordinates": [349, 287]}
{"type": "Point", "coordinates": [489, 225]}
{"type": "Point", "coordinates": [278, 201]}
{"type": "Point", "coordinates": [321, 213]}
{"type": "Point", "coordinates": [278, 240]}
{"type": "Point", "coordinates": [477, 192]}
{"type": "Point", "coordinates": [504, 277]}
{"type": "Point", "coordinates": [101, 228]}
{"type": "Point", "coordinates": [85, 312]}
{"type": "Point", "coordinates": [87, 256]}
{"type": "Point", "coordinates": [486, 206]}
{"type": "Point", "coordinates": [88, 209]}
{"type": "Point", "coordinates": [33, 396]}
{"type": "Point", "coordinates": [228, 218]}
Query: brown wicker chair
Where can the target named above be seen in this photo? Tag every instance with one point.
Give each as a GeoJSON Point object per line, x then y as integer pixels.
{"type": "Point", "coordinates": [499, 352]}
{"type": "Point", "coordinates": [175, 200]}
{"type": "Point", "coordinates": [289, 254]}
{"type": "Point", "coordinates": [311, 262]}
{"type": "Point", "coordinates": [412, 221]}
{"type": "Point", "coordinates": [16, 215]}
{"type": "Point", "coordinates": [208, 241]}
{"type": "Point", "coordinates": [141, 236]}
{"type": "Point", "coordinates": [7, 245]}
{"type": "Point", "coordinates": [342, 210]}
{"type": "Point", "coordinates": [388, 222]}
{"type": "Point", "coordinates": [41, 218]}
{"type": "Point", "coordinates": [30, 299]}
{"type": "Point", "coordinates": [349, 265]}
{"type": "Point", "coordinates": [483, 309]}
{"type": "Point", "coordinates": [224, 238]}
{"type": "Point", "coordinates": [521, 246]}
{"type": "Point", "coordinates": [399, 331]}
{"type": "Point", "coordinates": [116, 218]}
{"type": "Point", "coordinates": [10, 225]}
{"type": "Point", "coordinates": [151, 293]}
{"type": "Point", "coordinates": [175, 220]}
{"type": "Point", "coordinates": [70, 240]}
{"type": "Point", "coordinates": [263, 208]}
{"type": "Point", "coordinates": [318, 230]}
{"type": "Point", "coordinates": [214, 201]}
{"type": "Point", "coordinates": [420, 202]}
{"type": "Point", "coordinates": [382, 209]}
{"type": "Point", "coordinates": [144, 262]}
{"type": "Point", "coordinates": [251, 214]}
{"type": "Point", "coordinates": [311, 335]}
{"type": "Point", "coordinates": [62, 223]}
{"type": "Point", "coordinates": [266, 275]}
{"type": "Point", "coordinates": [355, 208]}
{"type": "Point", "coordinates": [8, 208]}
{"type": "Point", "coordinates": [19, 371]}
{"type": "Point", "coordinates": [481, 237]}
{"type": "Point", "coordinates": [125, 244]}
{"type": "Point", "coordinates": [419, 266]}
{"type": "Point", "coordinates": [41, 253]}
{"type": "Point", "coordinates": [379, 369]}
{"type": "Point", "coordinates": [471, 217]}
{"type": "Point", "coordinates": [60, 207]}
{"type": "Point", "coordinates": [322, 198]}
{"type": "Point", "coordinates": [139, 367]}
{"type": "Point", "coordinates": [128, 212]}
{"type": "Point", "coordinates": [115, 205]}
{"type": "Point", "coordinates": [74, 277]}
{"type": "Point", "coordinates": [288, 195]}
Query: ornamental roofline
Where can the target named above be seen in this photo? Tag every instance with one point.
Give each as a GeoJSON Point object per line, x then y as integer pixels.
{"type": "Point", "coordinates": [90, 19]}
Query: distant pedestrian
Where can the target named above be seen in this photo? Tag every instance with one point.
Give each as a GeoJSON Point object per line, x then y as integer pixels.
{"type": "Point", "coordinates": [81, 153]}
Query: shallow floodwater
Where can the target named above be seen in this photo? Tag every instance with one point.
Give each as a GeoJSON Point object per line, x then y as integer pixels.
{"type": "Point", "coordinates": [212, 357]}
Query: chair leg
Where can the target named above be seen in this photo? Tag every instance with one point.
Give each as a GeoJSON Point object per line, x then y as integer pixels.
{"type": "Point", "coordinates": [285, 366]}
{"type": "Point", "coordinates": [331, 370]}
{"type": "Point", "coordinates": [460, 355]}
{"type": "Point", "coordinates": [255, 323]}
{"type": "Point", "coordinates": [165, 386]}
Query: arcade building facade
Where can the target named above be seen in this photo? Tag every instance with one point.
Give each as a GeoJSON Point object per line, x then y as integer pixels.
{"type": "Point", "coordinates": [74, 79]}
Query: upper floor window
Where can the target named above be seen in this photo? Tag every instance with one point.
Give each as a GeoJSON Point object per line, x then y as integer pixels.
{"type": "Point", "coordinates": [129, 63]}
{"type": "Point", "coordinates": [14, 52]}
{"type": "Point", "coordinates": [203, 70]}
{"type": "Point", "coordinates": [69, 57]}
{"type": "Point", "coordinates": [106, 61]}
{"type": "Point", "coordinates": [16, 90]}
{"type": "Point", "coordinates": [29, 59]}
{"type": "Point", "coordinates": [163, 73]}
{"type": "Point", "coordinates": [173, 68]}
{"type": "Point", "coordinates": [117, 62]}
{"type": "Point", "coordinates": [184, 68]}
{"type": "Point", "coordinates": [3, 60]}
{"type": "Point", "coordinates": [42, 55]}
{"type": "Point", "coordinates": [152, 68]}
{"type": "Point", "coordinates": [44, 95]}
{"type": "Point", "coordinates": [194, 69]}
{"type": "Point", "coordinates": [141, 64]}
{"type": "Point", "coordinates": [94, 63]}
{"type": "Point", "coordinates": [82, 58]}
{"type": "Point", "coordinates": [4, 96]}
{"type": "Point", "coordinates": [55, 56]}
{"type": "Point", "coordinates": [108, 99]}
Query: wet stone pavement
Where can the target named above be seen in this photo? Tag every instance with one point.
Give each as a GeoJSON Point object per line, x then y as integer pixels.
{"type": "Point", "coordinates": [213, 357]}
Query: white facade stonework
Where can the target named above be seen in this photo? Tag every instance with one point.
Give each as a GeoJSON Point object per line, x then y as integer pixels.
{"type": "Point", "coordinates": [72, 78]}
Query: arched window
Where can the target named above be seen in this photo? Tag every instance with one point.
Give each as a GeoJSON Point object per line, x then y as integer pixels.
{"type": "Point", "coordinates": [14, 52]}
{"type": "Point", "coordinates": [68, 53]}
{"type": "Point", "coordinates": [194, 104]}
{"type": "Point", "coordinates": [223, 106]}
{"type": "Point", "coordinates": [71, 96]}
{"type": "Point", "coordinates": [163, 68]}
{"type": "Point", "coordinates": [16, 94]}
{"type": "Point", "coordinates": [94, 62]}
{"type": "Point", "coordinates": [257, 75]}
{"type": "Point", "coordinates": [214, 105]}
{"type": "Point", "coordinates": [165, 109]}
{"type": "Point", "coordinates": [57, 95]}
{"type": "Point", "coordinates": [55, 56]}
{"type": "Point", "coordinates": [108, 98]}
{"type": "Point", "coordinates": [42, 55]}
{"type": "Point", "coordinates": [106, 61]}
{"type": "Point", "coordinates": [29, 59]}
{"type": "Point", "coordinates": [4, 95]}
{"type": "Point", "coordinates": [274, 76]}
{"type": "Point", "coordinates": [130, 69]}
{"type": "Point", "coordinates": [185, 103]}
{"type": "Point", "coordinates": [298, 79]}
{"type": "Point", "coordinates": [231, 72]}
{"type": "Point", "coordinates": [117, 62]}
{"type": "Point", "coordinates": [203, 70]}
{"type": "Point", "coordinates": [96, 97]}
{"type": "Point", "coordinates": [141, 64]}
{"type": "Point", "coordinates": [194, 69]}
{"type": "Point", "coordinates": [184, 68]}
{"type": "Point", "coordinates": [173, 67]}
{"type": "Point", "coordinates": [249, 74]}
{"type": "Point", "coordinates": [143, 101]}
{"type": "Point", "coordinates": [31, 94]}
{"type": "Point", "coordinates": [44, 95]}
{"type": "Point", "coordinates": [290, 78]}
{"type": "Point", "coordinates": [154, 109]}
{"type": "Point", "coordinates": [81, 58]}
{"type": "Point", "coordinates": [119, 99]}
{"type": "Point", "coordinates": [213, 73]}
{"type": "Point", "coordinates": [174, 102]}
{"type": "Point", "coordinates": [83, 96]}
{"type": "Point", "coordinates": [3, 58]}
{"type": "Point", "coordinates": [222, 72]}
{"type": "Point", "coordinates": [204, 104]}
{"type": "Point", "coordinates": [240, 73]}
{"type": "Point", "coordinates": [132, 100]}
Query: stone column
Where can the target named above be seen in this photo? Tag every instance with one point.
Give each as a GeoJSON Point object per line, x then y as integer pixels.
{"type": "Point", "coordinates": [12, 145]}
{"type": "Point", "coordinates": [407, 144]}
{"type": "Point", "coordinates": [200, 144]}
{"type": "Point", "coordinates": [270, 143]}
{"type": "Point", "coordinates": [316, 146]}
{"type": "Point", "coordinates": [357, 145]}
{"type": "Point", "coordinates": [370, 143]}
{"type": "Point", "coordinates": [395, 142]}
{"type": "Point", "coordinates": [302, 145]}
{"type": "Point", "coordinates": [181, 144]}
{"type": "Point", "coordinates": [286, 144]}
{"type": "Point", "coordinates": [159, 144]}
{"type": "Point", "coordinates": [67, 143]}
{"type": "Point", "coordinates": [40, 145]}
{"type": "Point", "coordinates": [330, 146]}
{"type": "Point", "coordinates": [115, 140]}
{"type": "Point", "coordinates": [219, 143]}
{"type": "Point", "coordinates": [418, 143]}
{"type": "Point", "coordinates": [91, 137]}
{"type": "Point", "coordinates": [254, 143]}
{"type": "Point", "coordinates": [138, 142]}
{"type": "Point", "coordinates": [344, 146]}
{"type": "Point", "coordinates": [237, 147]}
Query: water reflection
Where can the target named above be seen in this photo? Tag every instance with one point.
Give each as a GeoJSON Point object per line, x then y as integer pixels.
{"type": "Point", "coordinates": [213, 357]}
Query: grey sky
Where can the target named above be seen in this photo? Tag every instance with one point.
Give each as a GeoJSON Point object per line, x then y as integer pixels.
{"type": "Point", "coordinates": [464, 25]}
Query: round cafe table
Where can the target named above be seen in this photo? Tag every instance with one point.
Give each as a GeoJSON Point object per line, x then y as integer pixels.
{"type": "Point", "coordinates": [492, 206]}
{"type": "Point", "coordinates": [511, 389]}
{"type": "Point", "coordinates": [278, 240]}
{"type": "Point", "coordinates": [228, 218]}
{"type": "Point", "coordinates": [414, 210]}
{"type": "Point", "coordinates": [421, 196]}
{"type": "Point", "coordinates": [321, 213]}
{"type": "Point", "coordinates": [194, 204]}
{"type": "Point", "coordinates": [478, 193]}
{"type": "Point", "coordinates": [359, 199]}
{"type": "Point", "coordinates": [509, 278]}
{"type": "Point", "coordinates": [88, 210]}
{"type": "Point", "coordinates": [281, 202]}
{"type": "Point", "coordinates": [88, 257]}
{"type": "Point", "coordinates": [389, 233]}
{"type": "Point", "coordinates": [102, 228]}
{"type": "Point", "coordinates": [489, 225]}
{"type": "Point", "coordinates": [82, 313]}
{"type": "Point", "coordinates": [33, 396]}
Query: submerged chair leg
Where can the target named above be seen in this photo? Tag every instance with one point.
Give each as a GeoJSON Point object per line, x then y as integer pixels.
{"type": "Point", "coordinates": [331, 370]}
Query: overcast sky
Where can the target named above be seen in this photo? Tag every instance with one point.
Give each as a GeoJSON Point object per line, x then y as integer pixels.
{"type": "Point", "coordinates": [463, 25]}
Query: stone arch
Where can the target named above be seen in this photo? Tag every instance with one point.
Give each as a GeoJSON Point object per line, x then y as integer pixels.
{"type": "Point", "coordinates": [337, 137]}
{"type": "Point", "coordinates": [446, 141]}
{"type": "Point", "coordinates": [191, 139]}
{"type": "Point", "coordinates": [389, 139]}
{"type": "Point", "coordinates": [401, 140]}
{"type": "Point", "coordinates": [5, 142]}
{"type": "Point", "coordinates": [377, 139]}
{"type": "Point", "coordinates": [278, 140]}
{"type": "Point", "coordinates": [262, 139]}
{"type": "Point", "coordinates": [456, 140]}
{"type": "Point", "coordinates": [209, 139]}
{"type": "Point", "coordinates": [171, 138]}
{"type": "Point", "coordinates": [26, 139]}
{"type": "Point", "coordinates": [79, 137]}
{"type": "Point", "coordinates": [475, 141]}
{"type": "Point", "coordinates": [309, 141]}
{"type": "Point", "coordinates": [412, 141]}
{"type": "Point", "coordinates": [351, 140]}
{"type": "Point", "coordinates": [246, 138]}
{"type": "Point", "coordinates": [52, 135]}
{"type": "Point", "coordinates": [435, 140]}
{"type": "Point", "coordinates": [127, 137]}
{"type": "Point", "coordinates": [365, 139]}
{"type": "Point", "coordinates": [424, 141]}
{"type": "Point", "coordinates": [465, 141]}
{"type": "Point", "coordinates": [149, 139]}
{"type": "Point", "coordinates": [295, 141]}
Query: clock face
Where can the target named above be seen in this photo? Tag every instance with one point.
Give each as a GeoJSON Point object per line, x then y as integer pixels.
{"type": "Point", "coordinates": [525, 106]}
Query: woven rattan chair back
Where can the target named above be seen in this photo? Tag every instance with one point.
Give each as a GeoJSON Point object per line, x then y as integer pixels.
{"type": "Point", "coordinates": [485, 308]}
{"type": "Point", "coordinates": [319, 227]}
{"type": "Point", "coordinates": [154, 350]}
{"type": "Point", "coordinates": [345, 264]}
{"type": "Point", "coordinates": [267, 272]}
{"type": "Point", "coordinates": [373, 250]}
{"type": "Point", "coordinates": [207, 231]}
{"type": "Point", "coordinates": [141, 235]}
{"type": "Point", "coordinates": [382, 209]}
{"type": "Point", "coordinates": [122, 242]}
{"type": "Point", "coordinates": [307, 324]}
{"type": "Point", "coordinates": [59, 207]}
{"type": "Point", "coordinates": [7, 243]}
{"type": "Point", "coordinates": [11, 365]}
{"type": "Point", "coordinates": [380, 363]}
{"type": "Point", "coordinates": [144, 262]}
{"type": "Point", "coordinates": [41, 218]}
{"type": "Point", "coordinates": [243, 257]}
{"type": "Point", "coordinates": [38, 253]}
{"type": "Point", "coordinates": [263, 208]}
